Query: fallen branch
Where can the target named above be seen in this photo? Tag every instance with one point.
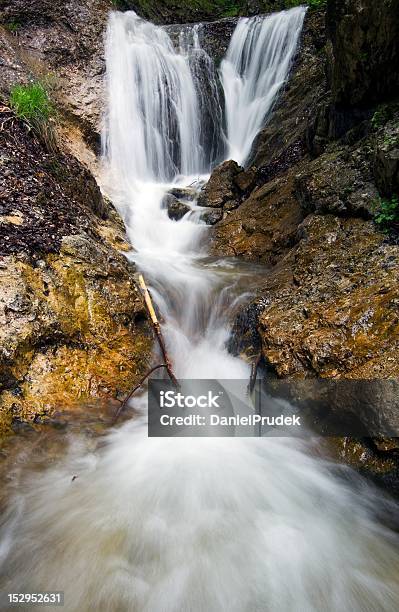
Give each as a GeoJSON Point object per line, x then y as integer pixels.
{"type": "Point", "coordinates": [157, 329]}
{"type": "Point", "coordinates": [125, 402]}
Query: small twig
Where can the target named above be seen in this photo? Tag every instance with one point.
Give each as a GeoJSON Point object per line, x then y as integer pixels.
{"type": "Point", "coordinates": [4, 122]}
{"type": "Point", "coordinates": [133, 391]}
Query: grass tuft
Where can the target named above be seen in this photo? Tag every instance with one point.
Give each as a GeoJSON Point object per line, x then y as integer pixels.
{"type": "Point", "coordinates": [32, 104]}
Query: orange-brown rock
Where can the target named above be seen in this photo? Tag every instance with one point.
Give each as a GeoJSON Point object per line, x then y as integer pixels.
{"type": "Point", "coordinates": [331, 305]}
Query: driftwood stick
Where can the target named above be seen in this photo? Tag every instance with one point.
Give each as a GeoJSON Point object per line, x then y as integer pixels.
{"type": "Point", "coordinates": [133, 391]}
{"type": "Point", "coordinates": [157, 329]}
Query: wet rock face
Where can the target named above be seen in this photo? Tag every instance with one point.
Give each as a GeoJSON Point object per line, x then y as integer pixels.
{"type": "Point", "coordinates": [330, 305]}
{"type": "Point", "coordinates": [227, 186]}
{"type": "Point", "coordinates": [66, 40]}
{"type": "Point", "coordinates": [214, 36]}
{"type": "Point", "coordinates": [212, 216]}
{"type": "Point", "coordinates": [349, 177]}
{"type": "Point", "coordinates": [364, 51]}
{"type": "Point", "coordinates": [386, 158]}
{"type": "Point", "coordinates": [61, 36]}
{"type": "Point", "coordinates": [221, 188]}
{"type": "Point", "coordinates": [73, 329]}
{"type": "Point", "coordinates": [339, 182]}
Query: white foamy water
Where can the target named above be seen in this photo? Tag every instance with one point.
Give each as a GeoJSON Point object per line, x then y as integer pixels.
{"type": "Point", "coordinates": [188, 525]}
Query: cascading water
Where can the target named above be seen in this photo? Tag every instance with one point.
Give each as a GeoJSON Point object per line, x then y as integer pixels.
{"type": "Point", "coordinates": [179, 525]}
{"type": "Point", "coordinates": [254, 70]}
{"type": "Point", "coordinates": [156, 91]}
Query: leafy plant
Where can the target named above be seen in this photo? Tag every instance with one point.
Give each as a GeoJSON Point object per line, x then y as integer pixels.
{"type": "Point", "coordinates": [379, 118]}
{"type": "Point", "coordinates": [391, 141]}
{"type": "Point", "coordinates": [387, 212]}
{"type": "Point", "coordinates": [316, 3]}
{"type": "Point", "coordinates": [230, 8]}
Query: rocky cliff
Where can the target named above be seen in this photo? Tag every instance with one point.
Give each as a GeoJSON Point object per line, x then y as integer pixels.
{"type": "Point", "coordinates": [73, 323]}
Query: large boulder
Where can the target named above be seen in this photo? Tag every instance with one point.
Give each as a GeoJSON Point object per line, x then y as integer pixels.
{"type": "Point", "coordinates": [220, 188]}
{"type": "Point", "coordinates": [176, 208]}
{"type": "Point", "coordinates": [227, 186]}
{"type": "Point", "coordinates": [263, 227]}
{"type": "Point", "coordinates": [329, 306]}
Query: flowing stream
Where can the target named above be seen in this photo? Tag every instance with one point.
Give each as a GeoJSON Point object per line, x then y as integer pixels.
{"type": "Point", "coordinates": [194, 525]}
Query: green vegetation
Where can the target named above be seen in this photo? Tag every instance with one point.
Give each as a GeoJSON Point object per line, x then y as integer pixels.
{"type": "Point", "coordinates": [391, 141]}
{"type": "Point", "coordinates": [379, 118]}
{"type": "Point", "coordinates": [12, 26]}
{"type": "Point", "coordinates": [387, 215]}
{"type": "Point", "coordinates": [184, 11]}
{"type": "Point", "coordinates": [32, 104]}
{"type": "Point", "coordinates": [230, 9]}
{"type": "Point", "coordinates": [313, 4]}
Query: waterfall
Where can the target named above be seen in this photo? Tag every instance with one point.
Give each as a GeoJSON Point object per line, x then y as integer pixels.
{"type": "Point", "coordinates": [192, 524]}
{"type": "Point", "coordinates": [155, 118]}
{"type": "Point", "coordinates": [166, 115]}
{"type": "Point", "coordinates": [255, 68]}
